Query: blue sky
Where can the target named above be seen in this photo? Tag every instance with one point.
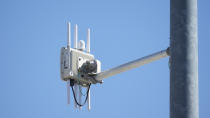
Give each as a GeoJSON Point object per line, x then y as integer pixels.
{"type": "Point", "coordinates": [33, 31]}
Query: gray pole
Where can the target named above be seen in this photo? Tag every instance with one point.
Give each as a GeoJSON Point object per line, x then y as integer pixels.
{"type": "Point", "coordinates": [183, 59]}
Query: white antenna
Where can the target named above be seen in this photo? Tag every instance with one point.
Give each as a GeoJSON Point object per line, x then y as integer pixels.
{"type": "Point", "coordinates": [88, 40]}
{"type": "Point", "coordinates": [68, 92]}
{"type": "Point", "coordinates": [75, 36]}
{"type": "Point", "coordinates": [69, 36]}
{"type": "Point", "coordinates": [68, 46]}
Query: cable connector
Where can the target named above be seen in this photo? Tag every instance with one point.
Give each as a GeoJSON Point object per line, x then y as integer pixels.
{"type": "Point", "coordinates": [72, 82]}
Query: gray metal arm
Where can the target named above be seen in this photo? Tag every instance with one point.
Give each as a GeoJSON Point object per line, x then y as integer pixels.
{"type": "Point", "coordinates": [133, 64]}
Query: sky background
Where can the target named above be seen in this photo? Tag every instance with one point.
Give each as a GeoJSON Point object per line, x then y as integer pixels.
{"type": "Point", "coordinates": [33, 31]}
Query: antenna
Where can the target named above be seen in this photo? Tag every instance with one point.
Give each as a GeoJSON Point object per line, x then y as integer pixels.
{"type": "Point", "coordinates": [80, 96]}
{"type": "Point", "coordinates": [75, 36]}
{"type": "Point", "coordinates": [68, 92]}
{"type": "Point", "coordinates": [69, 36]}
{"type": "Point", "coordinates": [68, 46]}
{"type": "Point", "coordinates": [88, 40]}
{"type": "Point", "coordinates": [76, 95]}
{"type": "Point", "coordinates": [88, 100]}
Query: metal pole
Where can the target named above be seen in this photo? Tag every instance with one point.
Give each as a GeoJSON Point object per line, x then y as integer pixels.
{"type": "Point", "coordinates": [183, 59]}
{"type": "Point", "coordinates": [133, 64]}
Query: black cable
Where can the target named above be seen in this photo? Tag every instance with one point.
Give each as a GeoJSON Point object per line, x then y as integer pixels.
{"type": "Point", "coordinates": [75, 99]}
